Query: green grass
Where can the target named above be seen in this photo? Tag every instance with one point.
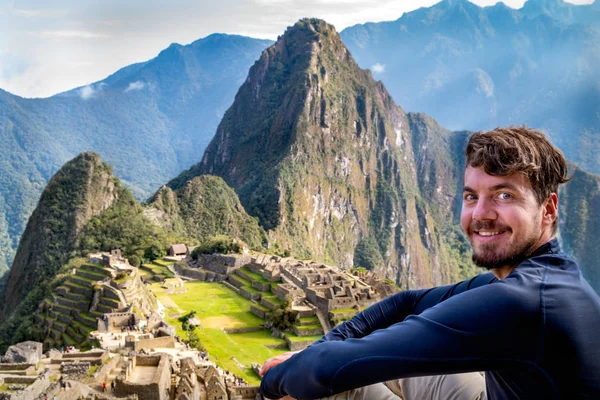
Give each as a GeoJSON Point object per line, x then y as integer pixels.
{"type": "Point", "coordinates": [307, 327]}
{"type": "Point", "coordinates": [253, 275]}
{"type": "Point", "coordinates": [344, 311]}
{"type": "Point", "coordinates": [92, 370]}
{"type": "Point", "coordinates": [219, 307]}
{"type": "Point", "coordinates": [309, 319]}
{"type": "Point", "coordinates": [274, 299]}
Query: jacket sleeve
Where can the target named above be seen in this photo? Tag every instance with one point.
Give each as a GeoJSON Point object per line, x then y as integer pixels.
{"type": "Point", "coordinates": [468, 332]}
{"type": "Point", "coordinates": [399, 306]}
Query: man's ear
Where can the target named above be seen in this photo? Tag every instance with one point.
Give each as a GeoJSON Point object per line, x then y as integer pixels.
{"type": "Point", "coordinates": [550, 209]}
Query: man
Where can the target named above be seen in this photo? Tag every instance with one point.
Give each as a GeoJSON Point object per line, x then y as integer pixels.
{"type": "Point", "coordinates": [533, 323]}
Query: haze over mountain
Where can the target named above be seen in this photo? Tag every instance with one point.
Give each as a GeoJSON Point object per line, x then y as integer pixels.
{"type": "Point", "coordinates": [477, 68]}
{"type": "Point", "coordinates": [150, 120]}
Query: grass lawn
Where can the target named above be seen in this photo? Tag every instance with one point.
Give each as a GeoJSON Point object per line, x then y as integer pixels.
{"type": "Point", "coordinates": [219, 307]}
{"type": "Point", "coordinates": [344, 310]}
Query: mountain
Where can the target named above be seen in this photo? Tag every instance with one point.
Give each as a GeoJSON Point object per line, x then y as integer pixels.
{"type": "Point", "coordinates": [80, 190]}
{"type": "Point", "coordinates": [85, 209]}
{"type": "Point", "coordinates": [568, 13]}
{"type": "Point", "coordinates": [334, 170]}
{"type": "Point", "coordinates": [477, 68]}
{"type": "Point", "coordinates": [149, 120]}
{"type": "Point", "coordinates": [319, 152]}
{"type": "Point", "coordinates": [205, 206]}
{"type": "Point", "coordinates": [580, 224]}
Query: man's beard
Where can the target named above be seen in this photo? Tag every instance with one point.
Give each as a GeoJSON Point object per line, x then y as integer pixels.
{"type": "Point", "coordinates": [488, 258]}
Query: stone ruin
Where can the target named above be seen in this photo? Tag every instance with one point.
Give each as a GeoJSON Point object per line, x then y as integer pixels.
{"type": "Point", "coordinates": [147, 376]}
{"type": "Point", "coordinates": [74, 370]}
{"type": "Point", "coordinates": [24, 352]}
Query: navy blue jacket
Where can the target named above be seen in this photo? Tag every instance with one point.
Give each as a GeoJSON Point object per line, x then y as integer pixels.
{"type": "Point", "coordinates": [536, 333]}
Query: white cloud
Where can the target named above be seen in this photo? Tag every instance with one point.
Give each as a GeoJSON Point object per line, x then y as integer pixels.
{"type": "Point", "coordinates": [137, 85]}
{"type": "Point", "coordinates": [40, 13]}
{"type": "Point", "coordinates": [86, 92]}
{"type": "Point", "coordinates": [69, 35]}
{"type": "Point", "coordinates": [378, 68]}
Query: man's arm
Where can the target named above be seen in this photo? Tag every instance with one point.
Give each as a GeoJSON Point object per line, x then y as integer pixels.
{"type": "Point", "coordinates": [399, 306]}
{"type": "Point", "coordinates": [388, 312]}
{"type": "Point", "coordinates": [465, 333]}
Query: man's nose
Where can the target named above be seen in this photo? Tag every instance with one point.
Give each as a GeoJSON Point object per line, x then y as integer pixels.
{"type": "Point", "coordinates": [484, 210]}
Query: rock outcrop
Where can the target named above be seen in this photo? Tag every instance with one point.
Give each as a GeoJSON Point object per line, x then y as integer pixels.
{"type": "Point", "coordinates": [24, 352]}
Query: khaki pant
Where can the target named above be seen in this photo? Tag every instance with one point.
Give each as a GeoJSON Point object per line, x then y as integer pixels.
{"type": "Point", "coordinates": [468, 386]}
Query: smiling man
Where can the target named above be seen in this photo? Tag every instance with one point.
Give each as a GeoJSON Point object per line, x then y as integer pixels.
{"type": "Point", "coordinates": [532, 323]}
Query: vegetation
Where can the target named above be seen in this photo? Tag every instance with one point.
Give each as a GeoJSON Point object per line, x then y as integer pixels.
{"type": "Point", "coordinates": [205, 207]}
{"type": "Point", "coordinates": [219, 245]}
{"type": "Point", "coordinates": [283, 318]}
{"type": "Point", "coordinates": [367, 254]}
{"type": "Point", "coordinates": [124, 226]}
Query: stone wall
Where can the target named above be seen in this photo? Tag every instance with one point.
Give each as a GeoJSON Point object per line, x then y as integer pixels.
{"type": "Point", "coordinates": [243, 392]}
{"type": "Point", "coordinates": [17, 368]}
{"type": "Point", "coordinates": [37, 386]}
{"type": "Point", "coordinates": [105, 370]}
{"type": "Point", "coordinates": [75, 369]}
{"type": "Point", "coordinates": [258, 312]}
{"type": "Point", "coordinates": [158, 389]}
{"type": "Point", "coordinates": [154, 343]}
{"type": "Point", "coordinates": [199, 274]}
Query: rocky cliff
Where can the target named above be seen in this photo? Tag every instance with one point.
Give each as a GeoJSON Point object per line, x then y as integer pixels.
{"type": "Point", "coordinates": [321, 154]}
{"type": "Point", "coordinates": [81, 189]}
{"type": "Point", "coordinates": [579, 225]}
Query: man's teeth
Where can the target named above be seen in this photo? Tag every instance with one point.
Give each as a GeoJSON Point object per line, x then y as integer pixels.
{"type": "Point", "coordinates": [488, 233]}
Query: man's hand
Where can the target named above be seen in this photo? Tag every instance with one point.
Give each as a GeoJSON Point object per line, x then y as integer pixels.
{"type": "Point", "coordinates": [272, 362]}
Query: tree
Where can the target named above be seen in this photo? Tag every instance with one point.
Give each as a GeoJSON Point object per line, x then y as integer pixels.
{"type": "Point", "coordinates": [154, 252]}
{"type": "Point", "coordinates": [367, 254]}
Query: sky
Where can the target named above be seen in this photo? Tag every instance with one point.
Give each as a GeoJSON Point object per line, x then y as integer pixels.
{"type": "Point", "coordinates": [50, 46]}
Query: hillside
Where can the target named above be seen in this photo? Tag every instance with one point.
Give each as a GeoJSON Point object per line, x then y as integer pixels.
{"type": "Point", "coordinates": [319, 152]}
{"type": "Point", "coordinates": [149, 120]}
{"type": "Point", "coordinates": [204, 207]}
{"type": "Point", "coordinates": [477, 67]}
{"type": "Point", "coordinates": [579, 224]}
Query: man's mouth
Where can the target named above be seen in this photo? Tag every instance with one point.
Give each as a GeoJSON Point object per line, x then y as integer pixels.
{"type": "Point", "coordinates": [488, 233]}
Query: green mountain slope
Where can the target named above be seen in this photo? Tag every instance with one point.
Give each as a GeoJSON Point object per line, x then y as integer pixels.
{"type": "Point", "coordinates": [205, 206]}
{"type": "Point", "coordinates": [580, 223]}
{"type": "Point", "coordinates": [149, 120]}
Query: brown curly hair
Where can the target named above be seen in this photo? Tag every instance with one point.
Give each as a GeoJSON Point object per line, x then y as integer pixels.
{"type": "Point", "coordinates": [506, 151]}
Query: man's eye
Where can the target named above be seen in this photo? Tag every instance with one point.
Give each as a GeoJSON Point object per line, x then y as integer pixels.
{"type": "Point", "coordinates": [504, 196]}
{"type": "Point", "coordinates": [470, 197]}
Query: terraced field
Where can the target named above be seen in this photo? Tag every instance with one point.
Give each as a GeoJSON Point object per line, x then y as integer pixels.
{"type": "Point", "coordinates": [157, 270]}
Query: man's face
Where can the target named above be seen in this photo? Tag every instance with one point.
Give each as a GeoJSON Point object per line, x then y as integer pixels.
{"type": "Point", "coordinates": [501, 218]}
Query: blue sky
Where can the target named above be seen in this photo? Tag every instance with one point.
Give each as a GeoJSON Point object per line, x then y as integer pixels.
{"type": "Point", "coordinates": [47, 47]}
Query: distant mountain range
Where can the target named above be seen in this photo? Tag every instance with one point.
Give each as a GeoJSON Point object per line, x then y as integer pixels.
{"type": "Point", "coordinates": [150, 120]}
{"type": "Point", "coordinates": [477, 68]}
